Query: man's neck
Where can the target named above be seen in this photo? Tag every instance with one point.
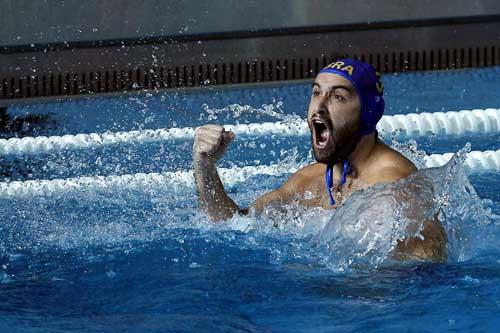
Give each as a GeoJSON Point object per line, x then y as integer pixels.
{"type": "Point", "coordinates": [359, 158]}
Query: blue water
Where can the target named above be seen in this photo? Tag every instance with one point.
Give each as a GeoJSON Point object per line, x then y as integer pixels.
{"type": "Point", "coordinates": [145, 260]}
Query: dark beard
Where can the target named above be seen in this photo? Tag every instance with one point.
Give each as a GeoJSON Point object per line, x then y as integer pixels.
{"type": "Point", "coordinates": [341, 144]}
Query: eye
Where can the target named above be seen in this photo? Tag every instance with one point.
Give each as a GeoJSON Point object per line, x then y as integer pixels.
{"type": "Point", "coordinates": [338, 97]}
{"type": "Point", "coordinates": [315, 93]}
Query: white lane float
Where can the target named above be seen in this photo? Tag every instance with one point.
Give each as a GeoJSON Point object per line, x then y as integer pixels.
{"type": "Point", "coordinates": [411, 125]}
{"type": "Point", "coordinates": [476, 162]}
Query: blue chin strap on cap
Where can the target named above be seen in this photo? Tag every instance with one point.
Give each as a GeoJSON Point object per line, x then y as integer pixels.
{"type": "Point", "coordinates": [366, 82]}
{"type": "Point", "coordinates": [346, 169]}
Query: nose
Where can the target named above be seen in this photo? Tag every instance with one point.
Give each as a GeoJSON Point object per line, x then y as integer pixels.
{"type": "Point", "coordinates": [321, 108]}
{"type": "Point", "coordinates": [321, 111]}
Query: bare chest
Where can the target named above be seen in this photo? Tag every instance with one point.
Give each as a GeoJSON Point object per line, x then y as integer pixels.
{"type": "Point", "coordinates": [316, 195]}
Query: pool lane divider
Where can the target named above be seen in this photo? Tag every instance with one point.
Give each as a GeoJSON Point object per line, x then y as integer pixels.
{"type": "Point", "coordinates": [476, 162]}
{"type": "Point", "coordinates": [409, 125]}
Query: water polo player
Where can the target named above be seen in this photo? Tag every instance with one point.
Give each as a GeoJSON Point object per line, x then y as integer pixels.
{"type": "Point", "coordinates": [345, 106]}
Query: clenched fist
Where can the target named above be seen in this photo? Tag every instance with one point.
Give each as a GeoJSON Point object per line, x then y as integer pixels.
{"type": "Point", "coordinates": [210, 142]}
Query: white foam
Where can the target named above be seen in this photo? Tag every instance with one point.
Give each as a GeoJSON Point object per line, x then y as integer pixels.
{"type": "Point", "coordinates": [477, 161]}
{"type": "Point", "coordinates": [411, 125]}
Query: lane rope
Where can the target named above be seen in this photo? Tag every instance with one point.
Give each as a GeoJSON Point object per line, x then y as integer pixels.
{"type": "Point", "coordinates": [476, 162]}
{"type": "Point", "coordinates": [410, 125]}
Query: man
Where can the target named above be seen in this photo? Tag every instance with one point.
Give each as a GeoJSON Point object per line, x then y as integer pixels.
{"type": "Point", "coordinates": [345, 106]}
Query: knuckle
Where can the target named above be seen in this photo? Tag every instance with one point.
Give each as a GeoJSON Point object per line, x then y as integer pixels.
{"type": "Point", "coordinates": [199, 131]}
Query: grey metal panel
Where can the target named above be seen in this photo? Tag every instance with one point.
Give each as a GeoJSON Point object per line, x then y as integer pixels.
{"type": "Point", "coordinates": [244, 60]}
{"type": "Point", "coordinates": [26, 22]}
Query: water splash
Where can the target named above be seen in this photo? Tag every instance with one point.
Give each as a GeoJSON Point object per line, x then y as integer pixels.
{"type": "Point", "coordinates": [240, 112]}
{"type": "Point", "coordinates": [410, 150]}
{"type": "Point", "coordinates": [366, 228]}
{"type": "Point", "coordinates": [358, 233]}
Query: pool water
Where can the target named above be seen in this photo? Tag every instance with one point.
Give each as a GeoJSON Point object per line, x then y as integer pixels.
{"type": "Point", "coordinates": [134, 254]}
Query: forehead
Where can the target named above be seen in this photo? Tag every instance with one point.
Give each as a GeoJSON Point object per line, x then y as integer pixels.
{"type": "Point", "coordinates": [327, 80]}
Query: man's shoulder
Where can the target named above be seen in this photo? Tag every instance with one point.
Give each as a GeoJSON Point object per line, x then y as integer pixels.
{"type": "Point", "coordinates": [391, 165]}
{"type": "Point", "coordinates": [307, 174]}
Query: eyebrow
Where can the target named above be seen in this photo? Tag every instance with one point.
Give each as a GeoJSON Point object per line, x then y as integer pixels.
{"type": "Point", "coordinates": [334, 87]}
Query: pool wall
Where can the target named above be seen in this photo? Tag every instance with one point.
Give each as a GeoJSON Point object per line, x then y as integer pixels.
{"type": "Point", "coordinates": [75, 48]}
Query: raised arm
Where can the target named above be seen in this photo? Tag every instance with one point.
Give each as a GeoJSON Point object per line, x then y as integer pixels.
{"type": "Point", "coordinates": [210, 143]}
{"type": "Point", "coordinates": [209, 146]}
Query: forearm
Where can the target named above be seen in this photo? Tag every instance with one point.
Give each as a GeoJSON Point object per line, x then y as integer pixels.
{"type": "Point", "coordinates": [212, 196]}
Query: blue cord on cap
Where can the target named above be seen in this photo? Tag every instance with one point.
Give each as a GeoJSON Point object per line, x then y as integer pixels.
{"type": "Point", "coordinates": [346, 169]}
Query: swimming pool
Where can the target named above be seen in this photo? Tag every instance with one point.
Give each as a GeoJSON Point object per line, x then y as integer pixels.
{"type": "Point", "coordinates": [102, 233]}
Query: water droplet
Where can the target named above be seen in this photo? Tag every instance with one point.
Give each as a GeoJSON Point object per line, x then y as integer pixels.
{"type": "Point", "coordinates": [111, 274]}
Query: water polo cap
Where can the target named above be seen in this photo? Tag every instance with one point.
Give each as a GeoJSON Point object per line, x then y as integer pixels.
{"type": "Point", "coordinates": [366, 82]}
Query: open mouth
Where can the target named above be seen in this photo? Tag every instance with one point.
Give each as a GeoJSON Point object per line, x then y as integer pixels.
{"type": "Point", "coordinates": [321, 134]}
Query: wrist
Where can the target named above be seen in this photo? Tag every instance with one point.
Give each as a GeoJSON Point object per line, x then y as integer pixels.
{"type": "Point", "coordinates": [203, 161]}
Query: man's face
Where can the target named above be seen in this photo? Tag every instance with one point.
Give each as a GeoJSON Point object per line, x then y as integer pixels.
{"type": "Point", "coordinates": [333, 118]}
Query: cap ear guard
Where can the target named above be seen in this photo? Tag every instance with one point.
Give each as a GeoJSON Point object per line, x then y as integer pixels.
{"type": "Point", "coordinates": [375, 105]}
{"type": "Point", "coordinates": [372, 111]}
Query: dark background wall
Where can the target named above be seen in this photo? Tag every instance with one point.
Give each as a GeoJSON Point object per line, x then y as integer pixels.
{"type": "Point", "coordinates": [26, 22]}
{"type": "Point", "coordinates": [75, 47]}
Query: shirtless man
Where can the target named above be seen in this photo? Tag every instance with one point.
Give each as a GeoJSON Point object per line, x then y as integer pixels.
{"type": "Point", "coordinates": [345, 106]}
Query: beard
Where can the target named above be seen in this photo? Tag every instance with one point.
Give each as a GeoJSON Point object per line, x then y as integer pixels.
{"type": "Point", "coordinates": [341, 143]}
